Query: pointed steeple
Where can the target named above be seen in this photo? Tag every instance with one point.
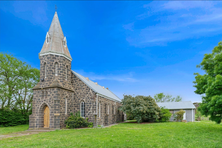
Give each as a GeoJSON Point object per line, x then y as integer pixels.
{"type": "Point", "coordinates": [55, 42]}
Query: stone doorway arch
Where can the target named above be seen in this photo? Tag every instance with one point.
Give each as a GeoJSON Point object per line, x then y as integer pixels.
{"type": "Point", "coordinates": [44, 116]}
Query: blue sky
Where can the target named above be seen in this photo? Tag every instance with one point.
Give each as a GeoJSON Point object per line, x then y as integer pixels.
{"type": "Point", "coordinates": [137, 48]}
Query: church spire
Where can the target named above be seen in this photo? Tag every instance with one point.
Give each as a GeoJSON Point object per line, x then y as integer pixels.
{"type": "Point", "coordinates": [55, 42]}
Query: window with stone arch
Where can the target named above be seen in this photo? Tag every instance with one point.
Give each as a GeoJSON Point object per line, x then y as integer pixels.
{"type": "Point", "coordinates": [66, 106]}
{"type": "Point", "coordinates": [56, 69]}
{"type": "Point", "coordinates": [105, 108]}
{"type": "Point", "coordinates": [46, 94]}
{"type": "Point", "coordinates": [82, 109]}
{"type": "Point", "coordinates": [114, 110]}
{"type": "Point", "coordinates": [43, 94]}
{"type": "Point", "coordinates": [45, 69]}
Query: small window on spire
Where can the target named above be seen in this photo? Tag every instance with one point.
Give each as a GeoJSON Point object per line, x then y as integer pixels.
{"type": "Point", "coordinates": [47, 38]}
{"type": "Point", "coordinates": [64, 42]}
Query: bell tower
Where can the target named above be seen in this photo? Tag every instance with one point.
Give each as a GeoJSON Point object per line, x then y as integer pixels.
{"type": "Point", "coordinates": [52, 96]}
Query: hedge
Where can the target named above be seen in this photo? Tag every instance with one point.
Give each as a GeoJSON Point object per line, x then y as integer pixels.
{"type": "Point", "coordinates": [13, 117]}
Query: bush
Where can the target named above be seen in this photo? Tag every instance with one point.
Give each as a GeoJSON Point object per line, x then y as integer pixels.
{"type": "Point", "coordinates": [75, 121]}
{"type": "Point", "coordinates": [165, 115]}
{"type": "Point", "coordinates": [13, 117]}
{"type": "Point", "coordinates": [90, 124]}
{"type": "Point", "coordinates": [179, 115]}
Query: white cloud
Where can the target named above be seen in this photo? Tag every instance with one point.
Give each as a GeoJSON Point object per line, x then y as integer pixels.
{"type": "Point", "coordinates": [174, 21]}
{"type": "Point", "coordinates": [177, 5]}
{"type": "Point", "coordinates": [121, 78]}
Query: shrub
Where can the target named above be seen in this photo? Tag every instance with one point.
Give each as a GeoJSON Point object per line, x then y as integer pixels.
{"type": "Point", "coordinates": [165, 115]}
{"type": "Point", "coordinates": [90, 124]}
{"type": "Point", "coordinates": [179, 115]}
{"type": "Point", "coordinates": [75, 121]}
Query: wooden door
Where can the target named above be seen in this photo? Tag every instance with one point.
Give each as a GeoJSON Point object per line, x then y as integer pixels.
{"type": "Point", "coordinates": [46, 117]}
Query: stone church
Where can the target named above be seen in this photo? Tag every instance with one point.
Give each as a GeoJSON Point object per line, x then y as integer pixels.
{"type": "Point", "coordinates": [62, 91]}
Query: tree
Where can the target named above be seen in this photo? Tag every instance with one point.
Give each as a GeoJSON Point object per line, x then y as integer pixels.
{"type": "Point", "coordinates": [161, 97]}
{"type": "Point", "coordinates": [16, 82]}
{"type": "Point", "coordinates": [141, 108]}
{"type": "Point", "coordinates": [209, 85]}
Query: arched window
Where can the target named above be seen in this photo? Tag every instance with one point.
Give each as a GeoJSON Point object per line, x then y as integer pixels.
{"type": "Point", "coordinates": [105, 108]}
{"type": "Point", "coordinates": [99, 111]}
{"type": "Point", "coordinates": [43, 94]}
{"type": "Point", "coordinates": [114, 110]}
{"type": "Point", "coordinates": [46, 94]}
{"type": "Point", "coordinates": [66, 72]}
{"type": "Point", "coordinates": [56, 69]}
{"type": "Point", "coordinates": [66, 106]}
{"type": "Point", "coordinates": [45, 69]}
{"type": "Point", "coordinates": [82, 109]}
{"type": "Point", "coordinates": [108, 110]}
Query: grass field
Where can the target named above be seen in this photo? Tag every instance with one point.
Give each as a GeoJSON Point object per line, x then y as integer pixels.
{"type": "Point", "coordinates": [13, 129]}
{"type": "Point", "coordinates": [160, 135]}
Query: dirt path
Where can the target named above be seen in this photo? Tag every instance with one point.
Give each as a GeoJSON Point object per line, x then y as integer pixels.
{"type": "Point", "coordinates": [18, 134]}
{"type": "Point", "coordinates": [31, 132]}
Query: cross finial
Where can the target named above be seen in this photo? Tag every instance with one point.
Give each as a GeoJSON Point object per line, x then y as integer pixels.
{"type": "Point", "coordinates": [55, 8]}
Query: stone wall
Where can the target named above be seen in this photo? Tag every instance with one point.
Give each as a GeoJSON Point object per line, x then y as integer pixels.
{"type": "Point", "coordinates": [111, 116]}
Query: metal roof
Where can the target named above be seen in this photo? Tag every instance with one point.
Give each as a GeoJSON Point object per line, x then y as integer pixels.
{"type": "Point", "coordinates": [177, 105]}
{"type": "Point", "coordinates": [101, 91]}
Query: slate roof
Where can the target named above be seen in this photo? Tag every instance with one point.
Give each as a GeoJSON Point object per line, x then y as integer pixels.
{"type": "Point", "coordinates": [177, 105]}
{"type": "Point", "coordinates": [97, 88]}
{"type": "Point", "coordinates": [56, 37]}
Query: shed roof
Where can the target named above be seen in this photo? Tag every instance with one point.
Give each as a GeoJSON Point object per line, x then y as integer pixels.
{"type": "Point", "coordinates": [102, 91]}
{"type": "Point", "coordinates": [177, 105]}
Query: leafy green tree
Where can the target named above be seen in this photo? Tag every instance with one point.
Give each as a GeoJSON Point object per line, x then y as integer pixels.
{"type": "Point", "coordinates": [141, 108]}
{"type": "Point", "coordinates": [209, 85]}
{"type": "Point", "coordinates": [16, 82]}
{"type": "Point", "coordinates": [161, 97]}
{"type": "Point", "coordinates": [165, 115]}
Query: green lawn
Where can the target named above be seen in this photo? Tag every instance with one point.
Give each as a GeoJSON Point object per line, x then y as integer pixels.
{"type": "Point", "coordinates": [13, 129]}
{"type": "Point", "coordinates": [166, 135]}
